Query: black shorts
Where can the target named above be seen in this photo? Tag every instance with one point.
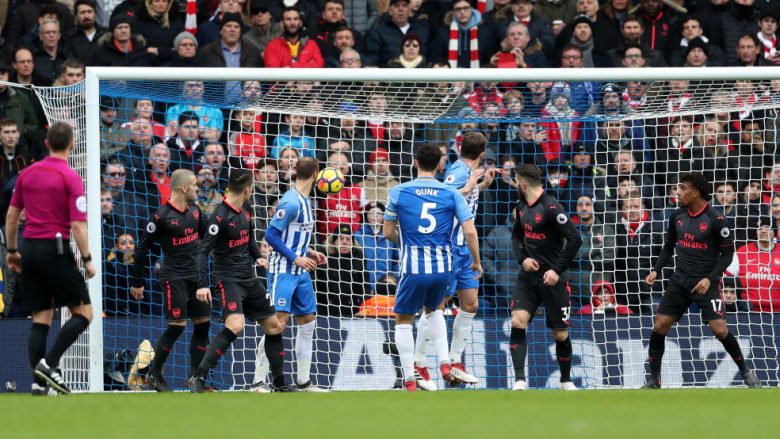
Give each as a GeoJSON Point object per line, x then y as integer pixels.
{"type": "Point", "coordinates": [181, 302]}
{"type": "Point", "coordinates": [530, 292]}
{"type": "Point", "coordinates": [678, 298]}
{"type": "Point", "coordinates": [247, 297]}
{"type": "Point", "coordinates": [50, 280]}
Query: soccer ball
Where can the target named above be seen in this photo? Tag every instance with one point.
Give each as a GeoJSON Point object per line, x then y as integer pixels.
{"type": "Point", "coordinates": [330, 181]}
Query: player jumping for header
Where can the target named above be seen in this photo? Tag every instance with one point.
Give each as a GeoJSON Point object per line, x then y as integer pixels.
{"type": "Point", "coordinates": [425, 211]}
{"type": "Point", "coordinates": [700, 236]}
{"type": "Point", "coordinates": [464, 176]}
{"type": "Point", "coordinates": [289, 272]}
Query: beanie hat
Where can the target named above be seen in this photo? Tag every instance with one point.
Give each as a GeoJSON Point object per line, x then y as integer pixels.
{"type": "Point", "coordinates": [379, 152]}
{"type": "Point", "coordinates": [121, 19]}
{"type": "Point", "coordinates": [184, 36]}
{"type": "Point", "coordinates": [697, 42]}
{"type": "Point", "coordinates": [230, 17]}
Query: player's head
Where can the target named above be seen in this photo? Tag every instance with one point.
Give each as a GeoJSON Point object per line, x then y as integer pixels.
{"type": "Point", "coordinates": [183, 181]}
{"type": "Point", "coordinates": [427, 158]}
{"type": "Point", "coordinates": [472, 146]}
{"type": "Point", "coordinates": [241, 183]}
{"type": "Point", "coordinates": [60, 137]}
{"type": "Point", "coordinates": [693, 186]}
{"type": "Point", "coordinates": [528, 176]}
{"type": "Point", "coordinates": [306, 169]}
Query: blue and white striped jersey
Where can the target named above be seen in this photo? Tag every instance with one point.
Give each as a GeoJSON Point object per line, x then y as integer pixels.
{"type": "Point", "coordinates": [294, 218]}
{"type": "Point", "coordinates": [457, 177]}
{"type": "Point", "coordinates": [426, 210]}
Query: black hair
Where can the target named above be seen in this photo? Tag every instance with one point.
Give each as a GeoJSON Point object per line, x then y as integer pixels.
{"type": "Point", "coordinates": [530, 173]}
{"type": "Point", "coordinates": [699, 182]}
{"type": "Point", "coordinates": [428, 157]}
{"type": "Point", "coordinates": [240, 179]}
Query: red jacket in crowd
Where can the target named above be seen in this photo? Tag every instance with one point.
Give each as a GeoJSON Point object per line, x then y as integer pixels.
{"type": "Point", "coordinates": [278, 54]}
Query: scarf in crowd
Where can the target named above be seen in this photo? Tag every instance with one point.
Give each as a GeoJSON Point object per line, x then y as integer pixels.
{"type": "Point", "coordinates": [410, 64]}
{"type": "Point", "coordinates": [191, 19]}
{"type": "Point", "coordinates": [563, 118]}
{"type": "Point", "coordinates": [481, 6]}
{"type": "Point", "coordinates": [587, 51]}
{"type": "Point", "coordinates": [769, 45]}
{"type": "Point", "coordinates": [473, 42]}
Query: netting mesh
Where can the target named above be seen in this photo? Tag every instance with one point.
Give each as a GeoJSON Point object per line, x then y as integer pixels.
{"type": "Point", "coordinates": [611, 153]}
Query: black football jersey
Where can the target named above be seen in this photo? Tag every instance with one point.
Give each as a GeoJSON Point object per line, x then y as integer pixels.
{"type": "Point", "coordinates": [543, 231]}
{"type": "Point", "coordinates": [230, 240]}
{"type": "Point", "coordinates": [699, 239]}
{"type": "Point", "coordinates": [178, 233]}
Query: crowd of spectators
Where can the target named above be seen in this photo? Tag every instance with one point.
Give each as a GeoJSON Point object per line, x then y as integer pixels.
{"type": "Point", "coordinates": [616, 175]}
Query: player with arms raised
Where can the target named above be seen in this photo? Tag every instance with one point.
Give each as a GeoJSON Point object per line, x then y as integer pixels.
{"type": "Point", "coordinates": [425, 211]}
{"type": "Point", "coordinates": [289, 280]}
{"type": "Point", "coordinates": [464, 176]}
{"type": "Point", "coordinates": [230, 239]}
{"type": "Point", "coordinates": [545, 242]}
{"type": "Point", "coordinates": [178, 226]}
{"type": "Point", "coordinates": [700, 236]}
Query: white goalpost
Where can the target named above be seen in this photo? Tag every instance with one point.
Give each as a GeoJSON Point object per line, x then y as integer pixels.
{"type": "Point", "coordinates": [720, 121]}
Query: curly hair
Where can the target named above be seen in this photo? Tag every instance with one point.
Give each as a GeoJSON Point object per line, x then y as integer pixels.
{"type": "Point", "coordinates": [699, 182]}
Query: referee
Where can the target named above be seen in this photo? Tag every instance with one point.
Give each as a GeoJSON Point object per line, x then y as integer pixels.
{"type": "Point", "coordinates": [51, 195]}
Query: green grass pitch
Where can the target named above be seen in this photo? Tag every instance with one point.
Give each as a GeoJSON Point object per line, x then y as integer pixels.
{"type": "Point", "coordinates": [689, 413]}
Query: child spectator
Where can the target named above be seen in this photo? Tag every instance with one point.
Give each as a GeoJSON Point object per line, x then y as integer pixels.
{"type": "Point", "coordinates": [144, 111]}
{"type": "Point", "coordinates": [344, 207]}
{"type": "Point", "coordinates": [248, 142]}
{"type": "Point", "coordinates": [602, 302]}
{"type": "Point", "coordinates": [294, 136]}
{"type": "Point", "coordinates": [381, 255]}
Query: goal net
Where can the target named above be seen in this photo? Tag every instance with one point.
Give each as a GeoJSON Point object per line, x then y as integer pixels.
{"type": "Point", "coordinates": [610, 150]}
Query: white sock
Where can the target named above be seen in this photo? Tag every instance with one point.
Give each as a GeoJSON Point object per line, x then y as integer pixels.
{"type": "Point", "coordinates": [303, 347]}
{"type": "Point", "coordinates": [404, 342]}
{"type": "Point", "coordinates": [438, 330]}
{"type": "Point", "coordinates": [423, 341]}
{"type": "Point", "coordinates": [261, 363]}
{"type": "Point", "coordinates": [461, 334]}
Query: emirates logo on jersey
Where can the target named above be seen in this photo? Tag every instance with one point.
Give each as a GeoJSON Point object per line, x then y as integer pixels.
{"type": "Point", "coordinates": [703, 227]}
{"type": "Point", "coordinates": [538, 218]}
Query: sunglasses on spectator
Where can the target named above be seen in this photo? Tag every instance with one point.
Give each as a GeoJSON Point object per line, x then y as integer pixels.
{"type": "Point", "coordinates": [116, 174]}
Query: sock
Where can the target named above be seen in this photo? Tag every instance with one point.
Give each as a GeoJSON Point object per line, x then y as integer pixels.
{"type": "Point", "coordinates": [36, 345]}
{"type": "Point", "coordinates": [518, 349]}
{"type": "Point", "coordinates": [261, 362]}
{"type": "Point", "coordinates": [438, 330]}
{"type": "Point", "coordinates": [404, 341]}
{"type": "Point", "coordinates": [274, 349]}
{"type": "Point", "coordinates": [423, 341]}
{"type": "Point", "coordinates": [461, 334]}
{"type": "Point", "coordinates": [217, 348]}
{"type": "Point", "coordinates": [563, 353]}
{"type": "Point", "coordinates": [732, 347]}
{"type": "Point", "coordinates": [199, 344]}
{"type": "Point", "coordinates": [655, 354]}
{"type": "Point", "coordinates": [303, 347]}
{"type": "Point", "coordinates": [68, 334]}
{"type": "Point", "coordinates": [164, 347]}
